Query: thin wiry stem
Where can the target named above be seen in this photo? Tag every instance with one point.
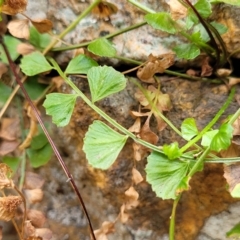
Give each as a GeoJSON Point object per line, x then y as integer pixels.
{"type": "Point", "coordinates": [25, 209]}
{"type": "Point", "coordinates": [62, 163]}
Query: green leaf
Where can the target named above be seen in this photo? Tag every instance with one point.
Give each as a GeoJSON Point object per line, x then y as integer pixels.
{"type": "Point", "coordinates": [172, 150]}
{"type": "Point", "coordinates": [196, 37]}
{"type": "Point", "coordinates": [187, 51]}
{"type": "Point", "coordinates": [39, 40]}
{"type": "Point", "coordinates": [218, 139]}
{"type": "Point", "coordinates": [5, 92]}
{"type": "Point", "coordinates": [80, 65]}
{"type": "Point", "coordinates": [189, 128]}
{"type": "Point", "coordinates": [222, 139]}
{"type": "Point", "coordinates": [161, 21]}
{"type": "Point", "coordinates": [183, 185]}
{"type": "Point", "coordinates": [189, 22]}
{"type": "Point", "coordinates": [234, 232]}
{"type": "Point", "coordinates": [204, 8]}
{"type": "Point", "coordinates": [219, 27]}
{"type": "Point", "coordinates": [204, 35]}
{"type": "Point", "coordinates": [102, 47]}
{"type": "Point", "coordinates": [231, 2]}
{"type": "Point", "coordinates": [41, 156]}
{"type": "Point", "coordinates": [102, 145]}
{"type": "Point", "coordinates": [11, 44]}
{"type": "Point", "coordinates": [104, 81]}
{"type": "Point", "coordinates": [12, 162]}
{"type": "Point", "coordinates": [39, 141]}
{"type": "Point", "coordinates": [34, 88]}
{"type": "Point", "coordinates": [165, 175]}
{"type": "Point", "coordinates": [208, 137]}
{"type": "Point", "coordinates": [34, 63]}
{"type": "Point", "coordinates": [191, 18]}
{"type": "Point", "coordinates": [60, 106]}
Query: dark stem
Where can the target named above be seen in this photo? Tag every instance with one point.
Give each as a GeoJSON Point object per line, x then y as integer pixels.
{"type": "Point", "coordinates": [62, 163]}
{"type": "Point", "coordinates": [205, 25]}
{"type": "Point", "coordinates": [221, 42]}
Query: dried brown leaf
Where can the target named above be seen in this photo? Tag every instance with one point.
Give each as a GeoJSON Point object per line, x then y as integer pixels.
{"type": "Point", "coordinates": [100, 236]}
{"type": "Point", "coordinates": [33, 129]}
{"type": "Point", "coordinates": [19, 28]}
{"type": "Point", "coordinates": [164, 102]}
{"type": "Point", "coordinates": [237, 98]}
{"type": "Point", "coordinates": [25, 48]}
{"type": "Point", "coordinates": [106, 228]}
{"type": "Point", "coordinates": [58, 81]}
{"type": "Point", "coordinates": [33, 195]}
{"type": "Point", "coordinates": [131, 199]}
{"type": "Point", "coordinates": [139, 151]}
{"type": "Point", "coordinates": [29, 229]}
{"type": "Point", "coordinates": [232, 175]}
{"type": "Point", "coordinates": [7, 147]}
{"type": "Point", "coordinates": [236, 127]}
{"type": "Point", "coordinates": [154, 65]}
{"type": "Point", "coordinates": [236, 140]}
{"type": "Point", "coordinates": [177, 10]}
{"type": "Point", "coordinates": [224, 72]}
{"type": "Point", "coordinates": [135, 128]}
{"type": "Point", "coordinates": [147, 134]}
{"type": "Point", "coordinates": [207, 70]}
{"type": "Point", "coordinates": [139, 95]}
{"type": "Point", "coordinates": [77, 51]}
{"type": "Point", "coordinates": [34, 238]}
{"type": "Point", "coordinates": [33, 180]}
{"type": "Point", "coordinates": [42, 25]}
{"type": "Point", "coordinates": [36, 217]}
{"type": "Point", "coordinates": [44, 233]}
{"type": "Point", "coordinates": [5, 176]}
{"type": "Point", "coordinates": [123, 216]}
{"type": "Point", "coordinates": [136, 153]}
{"type": "Point", "coordinates": [232, 151]}
{"type": "Point", "coordinates": [104, 10]}
{"type": "Point", "coordinates": [136, 176]}
{"type": "Point", "coordinates": [233, 81]}
{"type": "Point", "coordinates": [9, 129]}
{"type": "Point", "coordinates": [8, 207]}
{"type": "Point", "coordinates": [12, 7]}
{"type": "Point", "coordinates": [192, 72]}
{"type": "Point", "coordinates": [161, 124]}
{"type": "Point", "coordinates": [140, 114]}
{"type": "Point", "coordinates": [91, 55]}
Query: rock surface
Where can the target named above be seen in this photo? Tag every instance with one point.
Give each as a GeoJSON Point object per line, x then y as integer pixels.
{"type": "Point", "coordinates": [136, 44]}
